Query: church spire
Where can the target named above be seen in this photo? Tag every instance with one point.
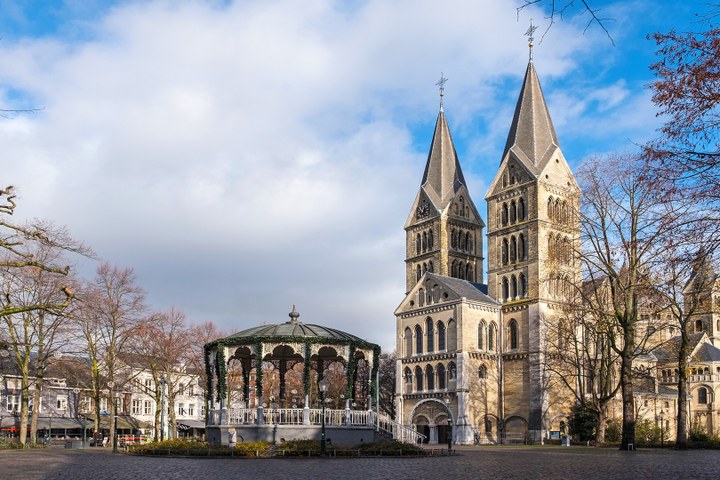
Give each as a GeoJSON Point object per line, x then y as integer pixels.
{"type": "Point", "coordinates": [443, 177]}
{"type": "Point", "coordinates": [532, 136]}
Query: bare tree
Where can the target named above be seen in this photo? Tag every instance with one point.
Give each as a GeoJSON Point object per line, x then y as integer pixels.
{"type": "Point", "coordinates": [559, 9]}
{"type": "Point", "coordinates": [113, 305]}
{"type": "Point", "coordinates": [625, 227]}
{"type": "Point", "coordinates": [387, 383]}
{"type": "Point", "coordinates": [687, 91]}
{"type": "Point", "coordinates": [35, 294]}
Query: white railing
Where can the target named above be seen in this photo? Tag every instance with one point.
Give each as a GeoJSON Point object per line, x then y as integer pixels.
{"type": "Point", "coordinates": [313, 416]}
{"type": "Point", "coordinates": [400, 432]}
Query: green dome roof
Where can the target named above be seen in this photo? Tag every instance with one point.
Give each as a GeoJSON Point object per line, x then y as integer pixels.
{"type": "Point", "coordinates": [296, 329]}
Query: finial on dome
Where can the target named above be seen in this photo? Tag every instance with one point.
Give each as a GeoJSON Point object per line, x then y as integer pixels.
{"type": "Point", "coordinates": [529, 34]}
{"type": "Point", "coordinates": [441, 84]}
{"type": "Point", "coordinates": [294, 315]}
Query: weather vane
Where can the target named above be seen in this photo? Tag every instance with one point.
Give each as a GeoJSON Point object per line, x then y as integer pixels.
{"type": "Point", "coordinates": [529, 34]}
{"type": "Point", "coordinates": [441, 83]}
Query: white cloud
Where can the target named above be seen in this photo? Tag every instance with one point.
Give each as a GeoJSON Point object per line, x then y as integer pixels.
{"type": "Point", "coordinates": [246, 157]}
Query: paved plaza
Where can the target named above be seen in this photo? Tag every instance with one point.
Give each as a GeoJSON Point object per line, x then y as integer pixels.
{"type": "Point", "coordinates": [469, 463]}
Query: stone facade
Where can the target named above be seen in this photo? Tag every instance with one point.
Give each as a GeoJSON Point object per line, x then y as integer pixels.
{"type": "Point", "coordinates": [471, 357]}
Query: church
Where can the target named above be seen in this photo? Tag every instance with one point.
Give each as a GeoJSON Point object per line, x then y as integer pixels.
{"type": "Point", "coordinates": [469, 354]}
{"type": "Point", "coordinates": [472, 357]}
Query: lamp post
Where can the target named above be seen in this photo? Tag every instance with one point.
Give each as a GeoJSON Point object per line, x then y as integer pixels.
{"type": "Point", "coordinates": [662, 428]}
{"type": "Point", "coordinates": [446, 404]}
{"type": "Point", "coordinates": [163, 382]}
{"type": "Point", "coordinates": [323, 386]}
{"type": "Point", "coordinates": [76, 391]}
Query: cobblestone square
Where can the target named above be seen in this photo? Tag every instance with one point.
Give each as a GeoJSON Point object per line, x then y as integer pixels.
{"type": "Point", "coordinates": [470, 462]}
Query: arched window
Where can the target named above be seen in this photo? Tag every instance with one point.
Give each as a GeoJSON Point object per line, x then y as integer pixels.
{"type": "Point", "coordinates": [482, 372]}
{"type": "Point", "coordinates": [430, 328]}
{"type": "Point", "coordinates": [513, 212]}
{"type": "Point", "coordinates": [418, 339]}
{"type": "Point", "coordinates": [698, 326]}
{"type": "Point", "coordinates": [469, 272]}
{"type": "Point", "coordinates": [513, 335]}
{"type": "Point", "coordinates": [408, 342]}
{"type": "Point", "coordinates": [461, 271]}
{"type": "Point", "coordinates": [565, 213]}
{"type": "Point", "coordinates": [551, 247]}
{"type": "Point", "coordinates": [469, 241]}
{"type": "Point", "coordinates": [431, 240]}
{"type": "Point", "coordinates": [453, 239]}
{"type": "Point", "coordinates": [521, 248]}
{"type": "Point", "coordinates": [523, 285]}
{"type": "Point", "coordinates": [418, 274]}
{"type": "Point", "coordinates": [551, 209]}
{"type": "Point", "coordinates": [424, 269]}
{"type": "Point", "coordinates": [431, 267]}
{"type": "Point", "coordinates": [481, 335]}
{"type": "Point", "coordinates": [453, 269]}
{"type": "Point", "coordinates": [466, 243]}
{"type": "Point", "coordinates": [419, 379]}
{"type": "Point", "coordinates": [702, 395]}
{"type": "Point", "coordinates": [424, 241]}
{"type": "Point", "coordinates": [492, 337]}
{"type": "Point", "coordinates": [442, 384]}
{"type": "Point", "coordinates": [513, 249]}
{"type": "Point", "coordinates": [418, 244]}
{"type": "Point", "coordinates": [421, 297]}
{"type": "Point", "coordinates": [430, 377]}
{"type": "Point", "coordinates": [504, 251]}
{"type": "Point", "coordinates": [441, 335]}
{"type": "Point", "coordinates": [521, 209]}
{"type": "Point", "coordinates": [451, 336]}
{"type": "Point", "coordinates": [513, 287]}
{"type": "Point", "coordinates": [456, 209]}
{"type": "Point", "coordinates": [504, 214]}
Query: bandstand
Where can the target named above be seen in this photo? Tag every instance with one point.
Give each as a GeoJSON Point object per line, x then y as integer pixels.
{"type": "Point", "coordinates": [292, 380]}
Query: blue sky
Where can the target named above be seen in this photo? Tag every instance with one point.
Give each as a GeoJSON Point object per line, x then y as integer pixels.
{"type": "Point", "coordinates": [246, 156]}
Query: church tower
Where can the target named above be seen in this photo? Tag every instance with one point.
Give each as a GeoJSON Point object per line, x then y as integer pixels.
{"type": "Point", "coordinates": [532, 233]}
{"type": "Point", "coordinates": [444, 229]}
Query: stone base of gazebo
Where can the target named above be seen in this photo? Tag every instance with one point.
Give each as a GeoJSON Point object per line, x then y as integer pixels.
{"type": "Point", "coordinates": [335, 435]}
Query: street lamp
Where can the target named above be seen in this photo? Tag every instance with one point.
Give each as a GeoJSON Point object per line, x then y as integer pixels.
{"type": "Point", "coordinates": [662, 428]}
{"type": "Point", "coordinates": [323, 385]}
{"type": "Point", "coordinates": [76, 391]}
{"type": "Point", "coordinates": [163, 382]}
{"type": "Point", "coordinates": [450, 427]}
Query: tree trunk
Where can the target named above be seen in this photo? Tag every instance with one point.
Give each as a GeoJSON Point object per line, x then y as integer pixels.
{"type": "Point", "coordinates": [600, 434]}
{"type": "Point", "coordinates": [628, 400]}
{"type": "Point", "coordinates": [37, 400]}
{"type": "Point", "coordinates": [681, 432]}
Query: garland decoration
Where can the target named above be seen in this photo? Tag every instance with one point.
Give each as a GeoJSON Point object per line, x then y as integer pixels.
{"type": "Point", "coordinates": [258, 371]}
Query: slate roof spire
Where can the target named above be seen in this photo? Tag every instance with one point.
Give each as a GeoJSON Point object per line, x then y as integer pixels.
{"type": "Point", "coordinates": [532, 136]}
{"type": "Point", "coordinates": [443, 177]}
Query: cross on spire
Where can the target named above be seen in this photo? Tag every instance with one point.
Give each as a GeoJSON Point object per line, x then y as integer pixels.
{"type": "Point", "coordinates": [529, 34]}
{"type": "Point", "coordinates": [441, 83]}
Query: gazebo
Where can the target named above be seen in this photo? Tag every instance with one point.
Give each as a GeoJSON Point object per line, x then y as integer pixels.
{"type": "Point", "coordinates": [263, 383]}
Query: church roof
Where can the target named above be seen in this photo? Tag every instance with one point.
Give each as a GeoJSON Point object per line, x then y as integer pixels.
{"type": "Point", "coordinates": [698, 348]}
{"type": "Point", "coordinates": [532, 136]}
{"type": "Point", "coordinates": [464, 288]}
{"type": "Point", "coordinates": [443, 177]}
{"type": "Point", "coordinates": [706, 353]}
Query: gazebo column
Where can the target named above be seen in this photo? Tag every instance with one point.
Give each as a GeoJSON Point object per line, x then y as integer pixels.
{"type": "Point", "coordinates": [283, 369]}
{"type": "Point", "coordinates": [246, 384]}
